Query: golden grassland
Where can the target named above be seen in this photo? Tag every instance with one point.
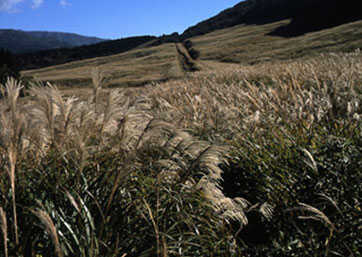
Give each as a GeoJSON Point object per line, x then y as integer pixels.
{"type": "Point", "coordinates": [127, 69]}
{"type": "Point", "coordinates": [249, 44]}
{"type": "Point", "coordinates": [183, 167]}
{"type": "Point", "coordinates": [243, 44]}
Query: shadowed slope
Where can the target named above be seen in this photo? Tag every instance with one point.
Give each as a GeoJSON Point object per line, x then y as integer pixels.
{"type": "Point", "coordinates": [306, 16]}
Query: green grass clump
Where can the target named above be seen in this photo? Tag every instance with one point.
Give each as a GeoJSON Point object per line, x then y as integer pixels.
{"type": "Point", "coordinates": [294, 170]}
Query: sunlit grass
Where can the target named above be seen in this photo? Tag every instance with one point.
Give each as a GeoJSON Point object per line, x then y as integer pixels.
{"type": "Point", "coordinates": [221, 163]}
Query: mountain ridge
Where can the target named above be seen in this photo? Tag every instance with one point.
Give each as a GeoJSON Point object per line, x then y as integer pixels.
{"type": "Point", "coordinates": [19, 41]}
{"type": "Point", "coordinates": [64, 55]}
{"type": "Point", "coordinates": [306, 16]}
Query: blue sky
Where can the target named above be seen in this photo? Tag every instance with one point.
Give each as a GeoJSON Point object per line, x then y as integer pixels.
{"type": "Point", "coordinates": [108, 18]}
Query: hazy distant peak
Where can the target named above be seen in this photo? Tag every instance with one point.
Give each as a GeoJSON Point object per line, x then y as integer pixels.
{"type": "Point", "coordinates": [18, 41]}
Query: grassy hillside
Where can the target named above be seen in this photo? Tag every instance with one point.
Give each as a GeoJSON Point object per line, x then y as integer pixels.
{"type": "Point", "coordinates": [132, 68]}
{"type": "Point", "coordinates": [306, 16]}
{"type": "Point", "coordinates": [251, 32]}
{"type": "Point", "coordinates": [246, 44]}
{"type": "Point", "coordinates": [63, 55]}
{"type": "Point", "coordinates": [253, 43]}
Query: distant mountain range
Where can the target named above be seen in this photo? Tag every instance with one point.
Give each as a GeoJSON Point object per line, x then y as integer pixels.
{"type": "Point", "coordinates": [18, 41]}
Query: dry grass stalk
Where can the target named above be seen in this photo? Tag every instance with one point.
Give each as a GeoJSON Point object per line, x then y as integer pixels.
{"type": "Point", "coordinates": [319, 215]}
{"type": "Point", "coordinates": [51, 229]}
{"type": "Point", "coordinates": [159, 246]}
{"type": "Point", "coordinates": [12, 129]}
{"type": "Point", "coordinates": [331, 201]}
{"type": "Point", "coordinates": [98, 80]}
{"type": "Point", "coordinates": [316, 215]}
{"type": "Point", "coordinates": [197, 156]}
{"type": "Point", "coordinates": [4, 229]}
{"type": "Point", "coordinates": [45, 109]}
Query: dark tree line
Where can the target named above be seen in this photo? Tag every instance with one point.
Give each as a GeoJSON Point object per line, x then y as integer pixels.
{"type": "Point", "coordinates": [8, 66]}
{"type": "Point", "coordinates": [35, 60]}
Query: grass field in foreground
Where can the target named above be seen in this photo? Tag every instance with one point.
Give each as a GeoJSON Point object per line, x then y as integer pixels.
{"type": "Point", "coordinates": [260, 160]}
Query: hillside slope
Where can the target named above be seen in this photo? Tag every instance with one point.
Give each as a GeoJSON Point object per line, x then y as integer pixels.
{"type": "Point", "coordinates": [65, 55]}
{"type": "Point", "coordinates": [250, 44]}
{"type": "Point", "coordinates": [18, 41]}
{"type": "Point", "coordinates": [305, 16]}
{"type": "Point", "coordinates": [242, 44]}
{"type": "Point", "coordinates": [148, 59]}
{"type": "Point", "coordinates": [270, 19]}
{"type": "Point", "coordinates": [132, 68]}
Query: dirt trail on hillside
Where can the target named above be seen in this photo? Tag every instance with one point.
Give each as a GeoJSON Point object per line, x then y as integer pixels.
{"type": "Point", "coordinates": [186, 62]}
